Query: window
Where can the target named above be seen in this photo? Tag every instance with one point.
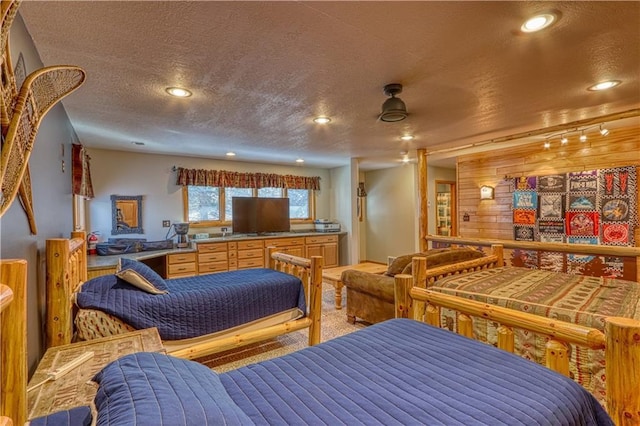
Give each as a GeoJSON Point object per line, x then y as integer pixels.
{"type": "Point", "coordinates": [299, 206]}
{"type": "Point", "coordinates": [203, 203]}
{"type": "Point", "coordinates": [209, 206]}
{"type": "Point", "coordinates": [229, 193]}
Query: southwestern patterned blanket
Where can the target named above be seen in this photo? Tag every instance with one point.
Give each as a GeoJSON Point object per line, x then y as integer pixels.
{"type": "Point", "coordinates": [572, 298]}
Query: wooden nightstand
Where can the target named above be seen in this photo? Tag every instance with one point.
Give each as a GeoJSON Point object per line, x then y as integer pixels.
{"type": "Point", "coordinates": [73, 390]}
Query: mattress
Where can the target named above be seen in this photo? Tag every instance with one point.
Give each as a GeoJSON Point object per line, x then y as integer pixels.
{"type": "Point", "coordinates": [196, 306]}
{"type": "Point", "coordinates": [399, 372]}
{"type": "Point", "coordinates": [572, 298]}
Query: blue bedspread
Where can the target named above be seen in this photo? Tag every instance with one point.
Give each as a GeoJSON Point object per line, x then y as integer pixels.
{"type": "Point", "coordinates": [199, 305]}
{"type": "Point", "coordinates": [407, 373]}
{"type": "Point", "coordinates": [399, 372]}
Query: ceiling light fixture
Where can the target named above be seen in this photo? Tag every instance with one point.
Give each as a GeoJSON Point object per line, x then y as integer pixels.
{"type": "Point", "coordinates": [406, 137]}
{"type": "Point", "coordinates": [582, 131]}
{"type": "Point", "coordinates": [538, 22]}
{"type": "Point", "coordinates": [230, 154]}
{"type": "Point", "coordinates": [604, 85]}
{"type": "Point", "coordinates": [299, 160]}
{"type": "Point", "coordinates": [178, 92]}
{"type": "Point", "coordinates": [322, 120]}
{"type": "Point", "coordinates": [393, 109]}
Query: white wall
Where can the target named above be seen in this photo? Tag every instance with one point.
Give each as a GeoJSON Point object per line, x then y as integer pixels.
{"type": "Point", "coordinates": [51, 198]}
{"type": "Point", "coordinates": [391, 220]}
{"type": "Point", "coordinates": [342, 210]}
{"type": "Point", "coordinates": [151, 175]}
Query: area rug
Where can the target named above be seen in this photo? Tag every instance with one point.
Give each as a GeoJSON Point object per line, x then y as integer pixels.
{"type": "Point", "coordinates": [334, 324]}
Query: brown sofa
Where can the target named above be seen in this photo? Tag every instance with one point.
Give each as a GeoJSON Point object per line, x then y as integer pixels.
{"type": "Point", "coordinates": [370, 297]}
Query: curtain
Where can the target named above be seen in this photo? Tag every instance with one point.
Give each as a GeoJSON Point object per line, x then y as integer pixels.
{"type": "Point", "coordinates": [228, 179]}
{"type": "Point", "coordinates": [80, 172]}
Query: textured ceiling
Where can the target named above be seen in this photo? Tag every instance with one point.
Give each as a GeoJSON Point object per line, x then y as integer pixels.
{"type": "Point", "coordinates": [260, 72]}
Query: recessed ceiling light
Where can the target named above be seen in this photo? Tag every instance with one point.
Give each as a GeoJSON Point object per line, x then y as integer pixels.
{"type": "Point", "coordinates": [604, 85]}
{"type": "Point", "coordinates": [322, 120]}
{"type": "Point", "coordinates": [299, 160]}
{"type": "Point", "coordinates": [230, 154]}
{"type": "Point", "coordinates": [406, 137]}
{"type": "Point", "coordinates": [538, 22]}
{"type": "Point", "coordinates": [178, 92]}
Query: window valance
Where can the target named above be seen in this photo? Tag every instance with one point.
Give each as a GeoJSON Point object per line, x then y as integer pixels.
{"type": "Point", "coordinates": [228, 179]}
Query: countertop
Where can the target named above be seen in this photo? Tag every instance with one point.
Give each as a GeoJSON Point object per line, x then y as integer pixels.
{"type": "Point", "coordinates": [98, 262]}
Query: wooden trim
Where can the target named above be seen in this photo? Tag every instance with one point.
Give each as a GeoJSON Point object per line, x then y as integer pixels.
{"type": "Point", "coordinates": [423, 204]}
{"type": "Point", "coordinates": [13, 348]}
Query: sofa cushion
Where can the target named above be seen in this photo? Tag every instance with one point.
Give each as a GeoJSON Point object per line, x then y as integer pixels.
{"type": "Point", "coordinates": [399, 263]}
{"type": "Point", "coordinates": [446, 256]}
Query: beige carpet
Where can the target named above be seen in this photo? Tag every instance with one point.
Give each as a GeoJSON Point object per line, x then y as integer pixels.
{"type": "Point", "coordinates": [334, 324]}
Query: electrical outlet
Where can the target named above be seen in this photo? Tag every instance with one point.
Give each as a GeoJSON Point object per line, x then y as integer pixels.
{"type": "Point", "coordinates": [224, 229]}
{"type": "Point", "coordinates": [166, 223]}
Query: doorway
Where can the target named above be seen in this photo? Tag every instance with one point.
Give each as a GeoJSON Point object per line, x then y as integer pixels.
{"type": "Point", "coordinates": [446, 214]}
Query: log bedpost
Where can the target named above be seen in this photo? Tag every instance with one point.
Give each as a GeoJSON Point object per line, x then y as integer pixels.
{"type": "Point", "coordinates": [59, 321]}
{"type": "Point", "coordinates": [498, 250]}
{"type": "Point", "coordinates": [419, 273]}
{"type": "Point", "coordinates": [315, 300]}
{"type": "Point", "coordinates": [13, 388]}
{"type": "Point", "coordinates": [622, 361]}
{"type": "Point", "coordinates": [403, 300]}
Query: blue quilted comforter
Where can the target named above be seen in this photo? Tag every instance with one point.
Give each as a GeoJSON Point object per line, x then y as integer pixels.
{"type": "Point", "coordinates": [199, 305]}
{"type": "Point", "coordinates": [399, 372]}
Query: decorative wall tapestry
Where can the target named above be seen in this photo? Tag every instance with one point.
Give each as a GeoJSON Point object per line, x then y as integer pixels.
{"type": "Point", "coordinates": [586, 207]}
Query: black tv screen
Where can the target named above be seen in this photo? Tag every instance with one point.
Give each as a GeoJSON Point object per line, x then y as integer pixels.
{"type": "Point", "coordinates": [260, 215]}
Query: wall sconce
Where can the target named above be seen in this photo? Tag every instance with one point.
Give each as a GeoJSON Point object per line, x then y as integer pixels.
{"type": "Point", "coordinates": [486, 192]}
{"type": "Point", "coordinates": [361, 191]}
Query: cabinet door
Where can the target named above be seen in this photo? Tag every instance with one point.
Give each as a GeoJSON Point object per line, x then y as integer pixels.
{"type": "Point", "coordinates": [315, 250]}
{"type": "Point", "coordinates": [330, 255]}
{"type": "Point", "coordinates": [295, 251]}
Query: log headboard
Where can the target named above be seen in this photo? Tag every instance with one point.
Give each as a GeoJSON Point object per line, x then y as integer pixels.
{"type": "Point", "coordinates": [66, 271]}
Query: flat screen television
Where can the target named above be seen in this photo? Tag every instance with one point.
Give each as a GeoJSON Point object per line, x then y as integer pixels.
{"type": "Point", "coordinates": [260, 215]}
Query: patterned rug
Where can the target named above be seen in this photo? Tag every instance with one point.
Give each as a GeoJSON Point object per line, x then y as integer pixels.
{"type": "Point", "coordinates": [334, 324]}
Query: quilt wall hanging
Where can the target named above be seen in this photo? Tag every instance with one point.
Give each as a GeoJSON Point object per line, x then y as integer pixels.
{"type": "Point", "coordinates": [586, 207]}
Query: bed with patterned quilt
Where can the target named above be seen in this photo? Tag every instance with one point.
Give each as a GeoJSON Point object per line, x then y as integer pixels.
{"type": "Point", "coordinates": [575, 299]}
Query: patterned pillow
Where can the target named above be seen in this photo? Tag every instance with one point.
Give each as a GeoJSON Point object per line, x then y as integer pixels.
{"type": "Point", "coordinates": [141, 276]}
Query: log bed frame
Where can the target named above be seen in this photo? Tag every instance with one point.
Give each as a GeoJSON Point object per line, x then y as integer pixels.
{"type": "Point", "coordinates": [620, 340]}
{"type": "Point", "coordinates": [67, 271]}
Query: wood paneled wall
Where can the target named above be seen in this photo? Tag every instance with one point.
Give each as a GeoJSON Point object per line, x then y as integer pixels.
{"type": "Point", "coordinates": [493, 218]}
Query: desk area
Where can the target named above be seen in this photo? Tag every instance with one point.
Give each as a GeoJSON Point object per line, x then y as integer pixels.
{"type": "Point", "coordinates": [219, 254]}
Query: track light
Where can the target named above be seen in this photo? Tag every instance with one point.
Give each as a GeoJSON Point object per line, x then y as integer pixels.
{"type": "Point", "coordinates": [565, 134]}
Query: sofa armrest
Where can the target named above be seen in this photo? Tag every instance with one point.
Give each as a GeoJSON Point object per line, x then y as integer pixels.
{"type": "Point", "coordinates": [378, 285]}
